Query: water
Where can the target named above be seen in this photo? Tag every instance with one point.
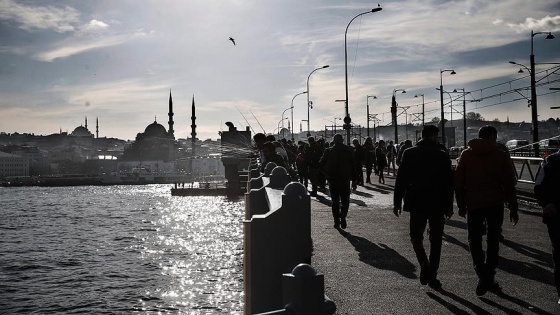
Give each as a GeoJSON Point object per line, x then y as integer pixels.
{"type": "Point", "coordinates": [119, 250]}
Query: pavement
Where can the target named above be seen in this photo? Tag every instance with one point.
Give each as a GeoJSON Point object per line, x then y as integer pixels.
{"type": "Point", "coordinates": [370, 268]}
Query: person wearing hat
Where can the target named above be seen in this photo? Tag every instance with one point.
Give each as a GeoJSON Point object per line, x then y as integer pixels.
{"type": "Point", "coordinates": [425, 182]}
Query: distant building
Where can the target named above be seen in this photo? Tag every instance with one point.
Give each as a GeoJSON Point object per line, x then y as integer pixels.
{"type": "Point", "coordinates": [13, 165]}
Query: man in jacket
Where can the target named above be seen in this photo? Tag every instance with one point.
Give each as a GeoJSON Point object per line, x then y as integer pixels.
{"type": "Point", "coordinates": [546, 191]}
{"type": "Point", "coordinates": [484, 180]}
{"type": "Point", "coordinates": [425, 181]}
{"type": "Point", "coordinates": [338, 165]}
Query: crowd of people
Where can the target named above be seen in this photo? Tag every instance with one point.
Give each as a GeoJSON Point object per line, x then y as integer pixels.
{"type": "Point", "coordinates": [426, 185]}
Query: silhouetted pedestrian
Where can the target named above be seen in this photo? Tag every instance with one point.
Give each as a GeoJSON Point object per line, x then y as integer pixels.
{"type": "Point", "coordinates": [301, 165]}
{"type": "Point", "coordinates": [313, 155]}
{"type": "Point", "coordinates": [359, 154]}
{"type": "Point", "coordinates": [425, 182]}
{"type": "Point", "coordinates": [548, 196]}
{"type": "Point", "coordinates": [484, 180]}
{"type": "Point", "coordinates": [338, 164]}
{"type": "Point", "coordinates": [369, 158]}
{"type": "Point", "coordinates": [381, 160]}
{"type": "Point", "coordinates": [391, 157]}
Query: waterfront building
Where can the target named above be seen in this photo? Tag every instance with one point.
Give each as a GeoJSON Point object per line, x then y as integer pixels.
{"type": "Point", "coordinates": [12, 165]}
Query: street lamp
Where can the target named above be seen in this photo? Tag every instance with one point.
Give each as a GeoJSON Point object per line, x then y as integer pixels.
{"type": "Point", "coordinates": [304, 92]}
{"type": "Point", "coordinates": [451, 71]}
{"type": "Point", "coordinates": [292, 108]}
{"type": "Point", "coordinates": [394, 113]}
{"type": "Point", "coordinates": [308, 103]}
{"type": "Point", "coordinates": [347, 119]}
{"type": "Point", "coordinates": [280, 121]}
{"type": "Point", "coordinates": [534, 114]}
{"type": "Point", "coordinates": [422, 107]}
{"type": "Point", "coordinates": [367, 104]}
{"type": "Point", "coordinates": [464, 116]}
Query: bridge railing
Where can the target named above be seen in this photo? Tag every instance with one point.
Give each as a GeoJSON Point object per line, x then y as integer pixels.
{"type": "Point", "coordinates": [526, 168]}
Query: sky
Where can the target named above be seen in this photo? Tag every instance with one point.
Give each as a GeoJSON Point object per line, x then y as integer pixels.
{"type": "Point", "coordinates": [117, 61]}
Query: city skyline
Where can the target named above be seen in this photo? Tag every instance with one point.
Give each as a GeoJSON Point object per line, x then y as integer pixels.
{"type": "Point", "coordinates": [117, 61]}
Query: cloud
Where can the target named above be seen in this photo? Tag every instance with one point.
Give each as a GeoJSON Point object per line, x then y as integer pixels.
{"type": "Point", "coordinates": [75, 46]}
{"type": "Point", "coordinates": [28, 17]}
{"type": "Point", "coordinates": [95, 26]}
{"type": "Point", "coordinates": [547, 23]}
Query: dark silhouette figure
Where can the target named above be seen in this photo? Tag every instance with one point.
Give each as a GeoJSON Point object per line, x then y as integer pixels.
{"type": "Point", "coordinates": [484, 180]}
{"type": "Point", "coordinates": [338, 164]}
{"type": "Point", "coordinates": [359, 155]}
{"type": "Point", "coordinates": [232, 40]}
{"type": "Point", "coordinates": [381, 160]}
{"type": "Point", "coordinates": [546, 191]}
{"type": "Point", "coordinates": [425, 182]}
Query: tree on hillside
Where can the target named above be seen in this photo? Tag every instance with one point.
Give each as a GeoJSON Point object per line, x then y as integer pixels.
{"type": "Point", "coordinates": [496, 120]}
{"type": "Point", "coordinates": [474, 116]}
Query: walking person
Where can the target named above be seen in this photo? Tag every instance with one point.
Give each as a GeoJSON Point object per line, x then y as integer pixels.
{"type": "Point", "coordinates": [312, 156]}
{"type": "Point", "coordinates": [425, 182]}
{"type": "Point", "coordinates": [546, 191]}
{"type": "Point", "coordinates": [381, 160]}
{"type": "Point", "coordinates": [484, 180]}
{"type": "Point", "coordinates": [369, 158]}
{"type": "Point", "coordinates": [338, 165]}
{"type": "Point", "coordinates": [301, 165]}
{"type": "Point", "coordinates": [358, 161]}
{"type": "Point", "coordinates": [391, 157]}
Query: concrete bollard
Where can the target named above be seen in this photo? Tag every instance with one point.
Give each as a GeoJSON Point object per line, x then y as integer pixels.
{"type": "Point", "coordinates": [279, 178]}
{"type": "Point", "coordinates": [303, 291]}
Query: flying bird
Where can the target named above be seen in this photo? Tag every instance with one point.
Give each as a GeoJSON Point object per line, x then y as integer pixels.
{"type": "Point", "coordinates": [232, 40]}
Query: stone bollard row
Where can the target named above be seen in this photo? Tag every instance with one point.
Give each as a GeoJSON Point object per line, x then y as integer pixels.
{"type": "Point", "coordinates": [277, 238]}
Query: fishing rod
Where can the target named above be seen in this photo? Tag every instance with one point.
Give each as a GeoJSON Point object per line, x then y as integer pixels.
{"type": "Point", "coordinates": [246, 119]}
{"type": "Point", "coordinates": [257, 121]}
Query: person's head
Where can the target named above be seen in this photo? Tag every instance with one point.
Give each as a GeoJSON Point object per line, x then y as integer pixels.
{"type": "Point", "coordinates": [391, 142]}
{"type": "Point", "coordinates": [430, 132]}
{"type": "Point", "coordinates": [270, 138]}
{"type": "Point", "coordinates": [269, 149]}
{"type": "Point", "coordinates": [338, 139]}
{"type": "Point", "coordinates": [488, 133]}
{"type": "Point", "coordinates": [408, 142]}
{"type": "Point", "coordinates": [311, 140]}
{"type": "Point", "coordinates": [381, 143]}
{"type": "Point", "coordinates": [355, 142]}
{"type": "Point", "coordinates": [259, 139]}
{"type": "Point", "coordinates": [369, 140]}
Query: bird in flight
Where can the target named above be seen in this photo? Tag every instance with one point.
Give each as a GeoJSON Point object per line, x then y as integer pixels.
{"type": "Point", "coordinates": [232, 40]}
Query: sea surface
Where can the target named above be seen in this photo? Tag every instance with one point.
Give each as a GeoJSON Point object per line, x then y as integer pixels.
{"type": "Point", "coordinates": [119, 250]}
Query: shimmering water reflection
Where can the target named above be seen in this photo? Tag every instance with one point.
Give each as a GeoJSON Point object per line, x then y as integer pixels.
{"type": "Point", "coordinates": [119, 249]}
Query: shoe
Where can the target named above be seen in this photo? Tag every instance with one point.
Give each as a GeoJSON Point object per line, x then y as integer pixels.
{"type": "Point", "coordinates": [494, 287]}
{"type": "Point", "coordinates": [425, 273]}
{"type": "Point", "coordinates": [343, 223]}
{"type": "Point", "coordinates": [435, 284]}
{"type": "Point", "coordinates": [337, 224]}
{"type": "Point", "coordinates": [481, 288]}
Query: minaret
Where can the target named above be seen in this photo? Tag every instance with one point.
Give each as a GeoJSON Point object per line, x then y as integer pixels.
{"type": "Point", "coordinates": [86, 122]}
{"type": "Point", "coordinates": [193, 127]}
{"type": "Point", "coordinates": [171, 132]}
{"type": "Point", "coordinates": [97, 127]}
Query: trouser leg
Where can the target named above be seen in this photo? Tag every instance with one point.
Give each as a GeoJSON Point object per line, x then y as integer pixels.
{"type": "Point", "coordinates": [417, 227]}
{"type": "Point", "coordinates": [344, 199]}
{"type": "Point", "coordinates": [554, 234]}
{"type": "Point", "coordinates": [335, 198]}
{"type": "Point", "coordinates": [494, 220]}
{"type": "Point", "coordinates": [436, 223]}
{"type": "Point", "coordinates": [475, 227]}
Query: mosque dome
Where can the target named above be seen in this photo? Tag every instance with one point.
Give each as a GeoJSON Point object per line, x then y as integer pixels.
{"type": "Point", "coordinates": [81, 131]}
{"type": "Point", "coordinates": [155, 130]}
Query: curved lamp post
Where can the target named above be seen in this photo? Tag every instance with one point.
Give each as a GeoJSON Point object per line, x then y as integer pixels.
{"type": "Point", "coordinates": [304, 92]}
{"type": "Point", "coordinates": [347, 119]}
{"type": "Point", "coordinates": [292, 108]}
{"type": "Point", "coordinates": [534, 113]}
{"type": "Point", "coordinates": [451, 71]}
{"type": "Point", "coordinates": [394, 113]}
{"type": "Point", "coordinates": [308, 103]}
{"type": "Point", "coordinates": [367, 104]}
